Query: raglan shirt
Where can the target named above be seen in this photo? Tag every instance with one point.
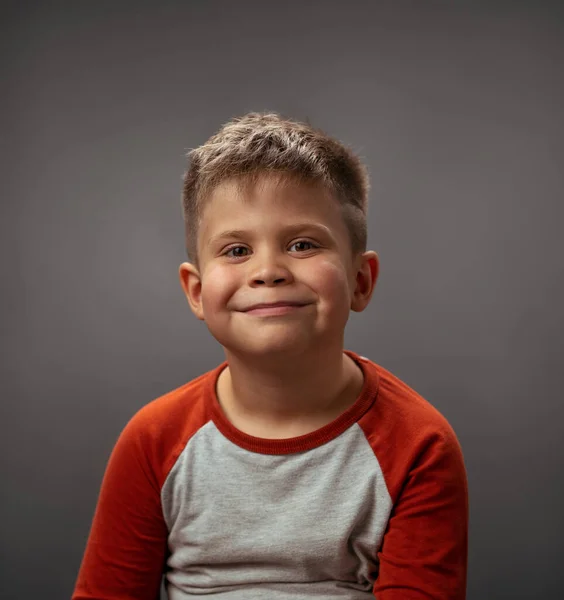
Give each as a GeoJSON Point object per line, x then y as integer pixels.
{"type": "Point", "coordinates": [374, 504]}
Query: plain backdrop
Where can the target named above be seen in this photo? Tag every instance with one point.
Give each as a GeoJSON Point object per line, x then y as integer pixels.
{"type": "Point", "coordinates": [457, 109]}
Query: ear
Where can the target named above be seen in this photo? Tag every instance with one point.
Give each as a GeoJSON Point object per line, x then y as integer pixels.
{"type": "Point", "coordinates": [367, 269]}
{"type": "Point", "coordinates": [191, 283]}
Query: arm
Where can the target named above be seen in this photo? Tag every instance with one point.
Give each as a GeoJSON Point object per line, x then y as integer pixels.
{"type": "Point", "coordinates": [126, 549]}
{"type": "Point", "coordinates": [424, 551]}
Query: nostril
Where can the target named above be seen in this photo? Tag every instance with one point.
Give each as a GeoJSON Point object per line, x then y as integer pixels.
{"type": "Point", "coordinates": [272, 281]}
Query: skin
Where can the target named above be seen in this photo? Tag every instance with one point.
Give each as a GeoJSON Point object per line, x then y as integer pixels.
{"type": "Point", "coordinates": [287, 374]}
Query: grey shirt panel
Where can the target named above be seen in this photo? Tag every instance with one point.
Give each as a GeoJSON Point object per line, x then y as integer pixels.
{"type": "Point", "coordinates": [250, 525]}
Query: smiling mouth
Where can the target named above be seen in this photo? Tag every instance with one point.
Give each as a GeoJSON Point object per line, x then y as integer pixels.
{"type": "Point", "coordinates": [275, 309]}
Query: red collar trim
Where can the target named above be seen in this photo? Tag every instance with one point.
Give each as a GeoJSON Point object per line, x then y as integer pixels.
{"type": "Point", "coordinates": [305, 442]}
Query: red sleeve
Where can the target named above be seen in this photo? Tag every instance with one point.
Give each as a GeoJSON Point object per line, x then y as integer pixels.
{"type": "Point", "coordinates": [127, 546]}
{"type": "Point", "coordinates": [424, 552]}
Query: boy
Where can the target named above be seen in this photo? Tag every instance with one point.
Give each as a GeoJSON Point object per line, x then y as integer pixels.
{"type": "Point", "coordinates": [295, 469]}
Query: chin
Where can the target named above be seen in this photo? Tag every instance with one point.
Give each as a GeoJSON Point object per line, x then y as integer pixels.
{"type": "Point", "coordinates": [275, 348]}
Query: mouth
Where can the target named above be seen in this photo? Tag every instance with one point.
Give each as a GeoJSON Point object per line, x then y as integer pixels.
{"type": "Point", "coordinates": [277, 308]}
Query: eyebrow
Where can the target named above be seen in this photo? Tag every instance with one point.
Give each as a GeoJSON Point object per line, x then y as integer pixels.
{"type": "Point", "coordinates": [290, 229]}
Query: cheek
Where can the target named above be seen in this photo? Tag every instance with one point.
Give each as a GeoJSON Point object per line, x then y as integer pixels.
{"type": "Point", "coordinates": [218, 285]}
{"type": "Point", "coordinates": [331, 282]}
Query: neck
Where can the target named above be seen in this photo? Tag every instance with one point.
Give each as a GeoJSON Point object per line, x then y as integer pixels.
{"type": "Point", "coordinates": [308, 390]}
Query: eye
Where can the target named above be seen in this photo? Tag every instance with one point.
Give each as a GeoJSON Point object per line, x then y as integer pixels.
{"type": "Point", "coordinates": [234, 252]}
{"type": "Point", "coordinates": [301, 243]}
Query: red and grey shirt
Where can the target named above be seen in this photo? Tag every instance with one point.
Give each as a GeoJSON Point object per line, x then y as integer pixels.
{"type": "Point", "coordinates": [374, 504]}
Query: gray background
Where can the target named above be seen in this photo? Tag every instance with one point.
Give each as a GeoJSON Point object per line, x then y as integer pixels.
{"type": "Point", "coordinates": [456, 108]}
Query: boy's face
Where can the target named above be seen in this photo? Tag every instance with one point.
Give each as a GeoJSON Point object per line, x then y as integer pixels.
{"type": "Point", "coordinates": [276, 242]}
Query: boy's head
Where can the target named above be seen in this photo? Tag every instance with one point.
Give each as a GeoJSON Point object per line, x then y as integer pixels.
{"type": "Point", "coordinates": [259, 188]}
{"type": "Point", "coordinates": [257, 144]}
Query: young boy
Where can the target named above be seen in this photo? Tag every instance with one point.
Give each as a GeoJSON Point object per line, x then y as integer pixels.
{"type": "Point", "coordinates": [295, 469]}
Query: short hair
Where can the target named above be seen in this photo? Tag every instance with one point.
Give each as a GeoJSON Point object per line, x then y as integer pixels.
{"type": "Point", "coordinates": [266, 143]}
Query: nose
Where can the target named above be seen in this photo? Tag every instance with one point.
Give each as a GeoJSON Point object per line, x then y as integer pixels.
{"type": "Point", "coordinates": [269, 271]}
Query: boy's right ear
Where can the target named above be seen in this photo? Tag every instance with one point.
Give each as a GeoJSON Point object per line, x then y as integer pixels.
{"type": "Point", "coordinates": [191, 283]}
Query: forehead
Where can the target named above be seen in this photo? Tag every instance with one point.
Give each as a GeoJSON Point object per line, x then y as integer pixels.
{"type": "Point", "coordinates": [281, 199]}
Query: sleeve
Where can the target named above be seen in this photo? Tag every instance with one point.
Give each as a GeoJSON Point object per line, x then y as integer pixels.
{"type": "Point", "coordinates": [126, 549]}
{"type": "Point", "coordinates": [425, 547]}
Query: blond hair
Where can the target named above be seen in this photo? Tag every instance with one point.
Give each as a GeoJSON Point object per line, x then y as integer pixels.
{"type": "Point", "coordinates": [265, 143]}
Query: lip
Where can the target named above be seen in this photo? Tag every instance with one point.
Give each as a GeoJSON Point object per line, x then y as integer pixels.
{"type": "Point", "coordinates": [276, 308]}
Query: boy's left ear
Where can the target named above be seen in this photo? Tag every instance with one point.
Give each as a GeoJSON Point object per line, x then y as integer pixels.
{"type": "Point", "coordinates": [367, 269]}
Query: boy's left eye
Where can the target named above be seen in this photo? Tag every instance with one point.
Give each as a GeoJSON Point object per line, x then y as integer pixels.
{"type": "Point", "coordinates": [301, 244]}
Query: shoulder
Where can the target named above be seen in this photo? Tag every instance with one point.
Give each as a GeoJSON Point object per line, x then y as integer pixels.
{"type": "Point", "coordinates": [399, 407]}
{"type": "Point", "coordinates": [158, 432]}
{"type": "Point", "coordinates": [406, 431]}
{"type": "Point", "coordinates": [176, 408]}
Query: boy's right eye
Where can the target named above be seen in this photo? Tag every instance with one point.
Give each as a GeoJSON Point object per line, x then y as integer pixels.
{"type": "Point", "coordinates": [233, 252]}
